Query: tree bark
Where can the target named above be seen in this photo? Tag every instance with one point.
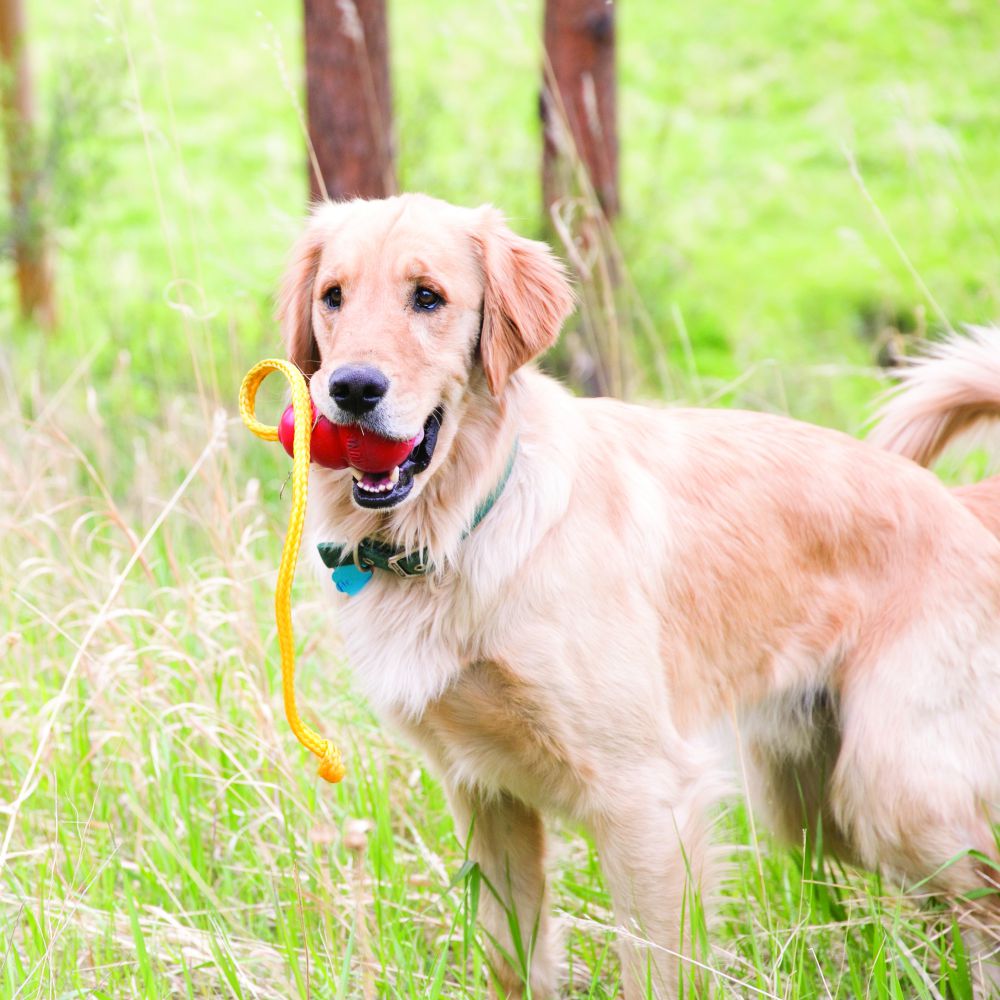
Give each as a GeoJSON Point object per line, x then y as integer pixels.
{"type": "Point", "coordinates": [349, 99]}
{"type": "Point", "coordinates": [578, 100]}
{"type": "Point", "coordinates": [32, 261]}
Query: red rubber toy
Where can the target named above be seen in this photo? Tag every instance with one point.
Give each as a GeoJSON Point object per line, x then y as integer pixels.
{"type": "Point", "coordinates": [338, 447]}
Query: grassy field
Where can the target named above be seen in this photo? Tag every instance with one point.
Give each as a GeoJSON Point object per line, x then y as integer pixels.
{"type": "Point", "coordinates": [800, 182]}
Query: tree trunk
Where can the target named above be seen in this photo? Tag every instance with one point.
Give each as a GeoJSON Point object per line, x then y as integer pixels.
{"type": "Point", "coordinates": [578, 100]}
{"type": "Point", "coordinates": [31, 257]}
{"type": "Point", "coordinates": [580, 187]}
{"type": "Point", "coordinates": [349, 99]}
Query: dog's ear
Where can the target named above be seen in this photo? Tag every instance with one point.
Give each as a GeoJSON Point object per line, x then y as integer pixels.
{"type": "Point", "coordinates": [526, 297]}
{"type": "Point", "coordinates": [295, 299]}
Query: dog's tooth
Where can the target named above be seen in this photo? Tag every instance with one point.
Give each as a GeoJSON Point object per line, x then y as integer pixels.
{"type": "Point", "coordinates": [357, 473]}
{"type": "Point", "coordinates": [382, 486]}
{"type": "Point", "coordinates": [394, 475]}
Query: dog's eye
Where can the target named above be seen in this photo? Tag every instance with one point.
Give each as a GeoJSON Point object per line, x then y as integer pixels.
{"type": "Point", "coordinates": [427, 300]}
{"type": "Point", "coordinates": [331, 297]}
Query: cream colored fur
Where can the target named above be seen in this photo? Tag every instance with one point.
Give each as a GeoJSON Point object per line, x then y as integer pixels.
{"type": "Point", "coordinates": [648, 579]}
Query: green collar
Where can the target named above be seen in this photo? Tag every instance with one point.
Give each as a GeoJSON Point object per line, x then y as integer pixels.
{"type": "Point", "coordinates": [373, 554]}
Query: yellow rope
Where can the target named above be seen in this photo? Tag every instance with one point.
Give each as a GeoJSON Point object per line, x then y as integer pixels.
{"type": "Point", "coordinates": [331, 768]}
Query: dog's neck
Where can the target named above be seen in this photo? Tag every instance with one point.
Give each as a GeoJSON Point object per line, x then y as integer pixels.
{"type": "Point", "coordinates": [474, 446]}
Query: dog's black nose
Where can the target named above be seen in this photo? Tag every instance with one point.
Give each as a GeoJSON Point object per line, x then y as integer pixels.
{"type": "Point", "coordinates": [358, 388]}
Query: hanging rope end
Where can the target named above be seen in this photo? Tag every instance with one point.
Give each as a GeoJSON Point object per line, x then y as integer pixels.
{"type": "Point", "coordinates": [331, 766]}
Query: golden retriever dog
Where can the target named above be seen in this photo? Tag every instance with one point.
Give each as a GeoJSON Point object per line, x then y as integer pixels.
{"type": "Point", "coordinates": [644, 582]}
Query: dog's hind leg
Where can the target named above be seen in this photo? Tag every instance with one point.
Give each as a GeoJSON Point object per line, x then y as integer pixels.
{"type": "Point", "coordinates": [506, 839]}
{"type": "Point", "coordinates": [916, 787]}
{"type": "Point", "coordinates": [944, 844]}
{"type": "Point", "coordinates": [910, 814]}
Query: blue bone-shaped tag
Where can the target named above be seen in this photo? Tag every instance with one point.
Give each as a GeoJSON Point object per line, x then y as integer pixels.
{"type": "Point", "coordinates": [350, 580]}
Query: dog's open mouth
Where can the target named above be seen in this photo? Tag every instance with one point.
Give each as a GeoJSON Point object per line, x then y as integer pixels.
{"type": "Point", "coordinates": [379, 490]}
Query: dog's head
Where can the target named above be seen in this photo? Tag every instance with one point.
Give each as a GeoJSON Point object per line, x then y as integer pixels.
{"type": "Point", "coordinates": [395, 308]}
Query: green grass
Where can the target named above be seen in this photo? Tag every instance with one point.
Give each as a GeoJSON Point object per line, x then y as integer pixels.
{"type": "Point", "coordinates": [162, 832]}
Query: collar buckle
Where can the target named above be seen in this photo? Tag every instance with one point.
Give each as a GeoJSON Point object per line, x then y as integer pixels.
{"type": "Point", "coordinates": [399, 565]}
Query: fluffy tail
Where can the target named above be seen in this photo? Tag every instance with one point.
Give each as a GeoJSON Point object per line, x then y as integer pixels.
{"type": "Point", "coordinates": [955, 385]}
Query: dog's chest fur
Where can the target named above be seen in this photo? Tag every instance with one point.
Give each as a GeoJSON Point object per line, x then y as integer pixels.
{"type": "Point", "coordinates": [408, 640]}
{"type": "Point", "coordinates": [492, 731]}
{"type": "Point", "coordinates": [432, 666]}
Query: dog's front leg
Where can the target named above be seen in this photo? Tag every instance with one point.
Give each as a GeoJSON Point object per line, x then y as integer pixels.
{"type": "Point", "coordinates": [653, 852]}
{"type": "Point", "coordinates": [506, 839]}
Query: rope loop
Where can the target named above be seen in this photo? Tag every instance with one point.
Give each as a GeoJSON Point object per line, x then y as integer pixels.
{"type": "Point", "coordinates": [331, 767]}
